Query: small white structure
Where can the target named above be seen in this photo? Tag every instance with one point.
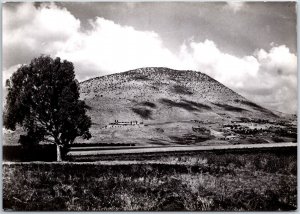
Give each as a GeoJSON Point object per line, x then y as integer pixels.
{"type": "Point", "coordinates": [117, 123]}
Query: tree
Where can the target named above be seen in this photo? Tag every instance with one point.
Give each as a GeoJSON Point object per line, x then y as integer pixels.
{"type": "Point", "coordinates": [43, 98]}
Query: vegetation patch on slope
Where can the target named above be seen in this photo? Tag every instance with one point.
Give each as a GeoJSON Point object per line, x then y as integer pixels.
{"type": "Point", "coordinates": [148, 104]}
{"type": "Point", "coordinates": [180, 89]}
{"type": "Point", "coordinates": [230, 107]}
{"type": "Point", "coordinates": [143, 112]}
{"type": "Point", "coordinates": [185, 104]}
{"type": "Point", "coordinates": [140, 77]}
{"type": "Point", "coordinates": [198, 105]}
{"type": "Point", "coordinates": [258, 107]}
{"type": "Point", "coordinates": [189, 139]}
{"type": "Point", "coordinates": [249, 103]}
{"type": "Point", "coordinates": [180, 104]}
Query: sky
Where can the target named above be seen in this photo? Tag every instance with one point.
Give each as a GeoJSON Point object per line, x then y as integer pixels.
{"type": "Point", "coordinates": [249, 47]}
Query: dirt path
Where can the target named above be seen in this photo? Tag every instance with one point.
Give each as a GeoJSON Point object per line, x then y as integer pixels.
{"type": "Point", "coordinates": [181, 149]}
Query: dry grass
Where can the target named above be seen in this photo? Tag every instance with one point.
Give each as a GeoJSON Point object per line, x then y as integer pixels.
{"type": "Point", "coordinates": [208, 182]}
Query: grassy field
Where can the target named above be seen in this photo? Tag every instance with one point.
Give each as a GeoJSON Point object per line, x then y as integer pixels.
{"type": "Point", "coordinates": [217, 182]}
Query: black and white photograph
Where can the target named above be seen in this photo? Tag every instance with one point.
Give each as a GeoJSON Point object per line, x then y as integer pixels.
{"type": "Point", "coordinates": [149, 106]}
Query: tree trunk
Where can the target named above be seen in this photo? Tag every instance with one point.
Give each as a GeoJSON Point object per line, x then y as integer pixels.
{"type": "Point", "coordinates": [58, 153]}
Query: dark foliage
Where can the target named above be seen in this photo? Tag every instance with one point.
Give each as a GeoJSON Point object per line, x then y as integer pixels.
{"type": "Point", "coordinates": [257, 107]}
{"type": "Point", "coordinates": [144, 113]}
{"type": "Point", "coordinates": [148, 104]}
{"type": "Point", "coordinates": [183, 105]}
{"type": "Point", "coordinates": [198, 105]}
{"type": "Point", "coordinates": [159, 130]}
{"type": "Point", "coordinates": [89, 107]}
{"type": "Point", "coordinates": [179, 89]}
{"type": "Point", "coordinates": [43, 97]}
{"type": "Point", "coordinates": [140, 77]}
{"type": "Point", "coordinates": [29, 152]}
{"type": "Point", "coordinates": [189, 139]}
{"type": "Point", "coordinates": [251, 104]}
{"type": "Point", "coordinates": [230, 108]}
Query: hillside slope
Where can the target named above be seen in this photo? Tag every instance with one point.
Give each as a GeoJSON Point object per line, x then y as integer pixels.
{"type": "Point", "coordinates": [169, 103]}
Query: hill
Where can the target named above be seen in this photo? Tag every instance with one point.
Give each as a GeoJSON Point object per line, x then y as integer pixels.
{"type": "Point", "coordinates": [170, 107]}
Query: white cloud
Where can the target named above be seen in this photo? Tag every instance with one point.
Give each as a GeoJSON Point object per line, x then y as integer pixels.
{"type": "Point", "coordinates": [235, 5]}
{"type": "Point", "coordinates": [267, 77]}
{"type": "Point", "coordinates": [279, 60]}
{"type": "Point", "coordinates": [111, 48]}
{"type": "Point", "coordinates": [226, 68]}
{"type": "Point", "coordinates": [33, 31]}
{"type": "Point", "coordinates": [278, 70]}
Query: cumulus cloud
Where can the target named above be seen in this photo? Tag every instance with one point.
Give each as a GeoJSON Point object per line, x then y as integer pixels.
{"type": "Point", "coordinates": [206, 57]}
{"type": "Point", "coordinates": [31, 31]}
{"type": "Point", "coordinates": [268, 77]}
{"type": "Point", "coordinates": [109, 48]}
{"type": "Point", "coordinates": [278, 71]}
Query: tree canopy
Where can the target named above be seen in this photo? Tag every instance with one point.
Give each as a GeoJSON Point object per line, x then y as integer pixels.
{"type": "Point", "coordinates": [43, 97]}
